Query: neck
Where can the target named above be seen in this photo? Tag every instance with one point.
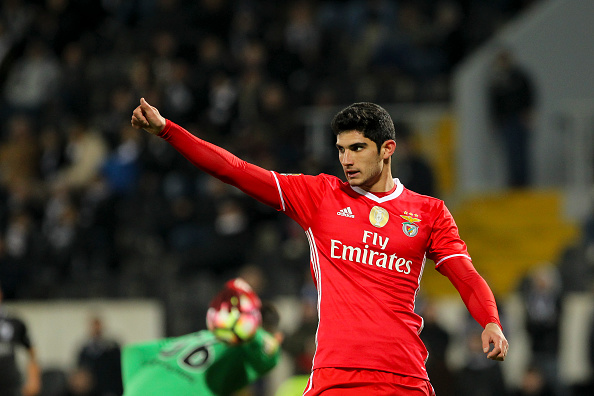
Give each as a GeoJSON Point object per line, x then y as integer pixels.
{"type": "Point", "coordinates": [385, 184]}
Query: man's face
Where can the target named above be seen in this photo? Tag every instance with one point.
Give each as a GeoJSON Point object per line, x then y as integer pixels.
{"type": "Point", "coordinates": [360, 160]}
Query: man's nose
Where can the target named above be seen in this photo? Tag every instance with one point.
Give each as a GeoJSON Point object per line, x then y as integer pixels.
{"type": "Point", "coordinates": [346, 158]}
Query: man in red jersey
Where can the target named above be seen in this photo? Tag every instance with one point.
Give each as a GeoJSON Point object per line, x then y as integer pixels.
{"type": "Point", "coordinates": [369, 240]}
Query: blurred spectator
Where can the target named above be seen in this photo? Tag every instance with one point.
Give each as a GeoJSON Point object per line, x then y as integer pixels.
{"type": "Point", "coordinates": [576, 264]}
{"type": "Point", "coordinates": [111, 121]}
{"type": "Point", "coordinates": [210, 58]}
{"type": "Point", "coordinates": [301, 343]}
{"type": "Point", "coordinates": [178, 91]}
{"type": "Point", "coordinates": [74, 82]}
{"type": "Point", "coordinates": [52, 156]}
{"type": "Point", "coordinates": [534, 383]}
{"type": "Point", "coordinates": [541, 294]}
{"type": "Point", "coordinates": [20, 250]}
{"type": "Point", "coordinates": [33, 81]}
{"type": "Point", "coordinates": [137, 75]}
{"type": "Point", "coordinates": [19, 152]}
{"type": "Point", "coordinates": [512, 99]}
{"type": "Point", "coordinates": [302, 35]}
{"type": "Point", "coordinates": [232, 232]}
{"type": "Point", "coordinates": [479, 376]}
{"type": "Point", "coordinates": [17, 17]}
{"type": "Point", "coordinates": [98, 220]}
{"type": "Point", "coordinates": [222, 103]}
{"type": "Point", "coordinates": [121, 168]}
{"type": "Point", "coordinates": [449, 31]}
{"type": "Point", "coordinates": [437, 341]}
{"type": "Point", "coordinates": [61, 229]}
{"type": "Point", "coordinates": [86, 151]}
{"type": "Point", "coordinates": [14, 334]}
{"type": "Point", "coordinates": [75, 190]}
{"type": "Point", "coordinates": [412, 169]}
{"type": "Point", "coordinates": [100, 356]}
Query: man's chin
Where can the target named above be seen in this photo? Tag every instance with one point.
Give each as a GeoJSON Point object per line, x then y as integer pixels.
{"type": "Point", "coordinates": [354, 182]}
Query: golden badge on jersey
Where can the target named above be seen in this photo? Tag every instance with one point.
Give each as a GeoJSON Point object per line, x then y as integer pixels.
{"type": "Point", "coordinates": [379, 216]}
{"type": "Point", "coordinates": [409, 227]}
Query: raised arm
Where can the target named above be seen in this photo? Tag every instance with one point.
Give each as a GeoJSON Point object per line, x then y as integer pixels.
{"type": "Point", "coordinates": [251, 179]}
{"type": "Point", "coordinates": [480, 302]}
{"type": "Point", "coordinates": [262, 353]}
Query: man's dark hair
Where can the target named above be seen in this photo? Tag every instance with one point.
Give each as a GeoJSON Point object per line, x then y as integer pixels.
{"type": "Point", "coordinates": [270, 317]}
{"type": "Point", "coordinates": [372, 120]}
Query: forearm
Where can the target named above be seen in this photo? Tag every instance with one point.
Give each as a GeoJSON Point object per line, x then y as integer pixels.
{"type": "Point", "coordinates": [217, 162]}
{"type": "Point", "coordinates": [32, 384]}
{"type": "Point", "coordinates": [473, 289]}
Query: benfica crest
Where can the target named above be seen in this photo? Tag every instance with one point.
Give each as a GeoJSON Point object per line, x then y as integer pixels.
{"type": "Point", "coordinates": [409, 227]}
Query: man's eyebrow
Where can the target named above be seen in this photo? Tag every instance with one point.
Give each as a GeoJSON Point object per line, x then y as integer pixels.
{"type": "Point", "coordinates": [353, 145]}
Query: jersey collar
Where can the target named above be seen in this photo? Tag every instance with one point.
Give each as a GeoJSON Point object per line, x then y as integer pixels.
{"type": "Point", "coordinates": [373, 197]}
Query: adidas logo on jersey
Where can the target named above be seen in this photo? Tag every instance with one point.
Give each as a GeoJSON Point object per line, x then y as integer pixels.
{"type": "Point", "coordinates": [346, 212]}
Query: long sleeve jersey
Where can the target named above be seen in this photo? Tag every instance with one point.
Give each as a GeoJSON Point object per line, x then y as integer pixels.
{"type": "Point", "coordinates": [367, 255]}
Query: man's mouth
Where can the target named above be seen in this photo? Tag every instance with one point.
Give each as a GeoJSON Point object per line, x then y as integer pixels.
{"type": "Point", "coordinates": [351, 173]}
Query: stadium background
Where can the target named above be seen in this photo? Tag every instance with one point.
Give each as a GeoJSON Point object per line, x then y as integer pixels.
{"type": "Point", "coordinates": [97, 217]}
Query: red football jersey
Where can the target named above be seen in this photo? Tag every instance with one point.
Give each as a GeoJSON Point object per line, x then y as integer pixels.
{"type": "Point", "coordinates": [368, 253]}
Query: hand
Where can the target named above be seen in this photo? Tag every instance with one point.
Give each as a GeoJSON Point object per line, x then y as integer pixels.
{"type": "Point", "coordinates": [148, 118]}
{"type": "Point", "coordinates": [32, 387]}
{"type": "Point", "coordinates": [493, 335]}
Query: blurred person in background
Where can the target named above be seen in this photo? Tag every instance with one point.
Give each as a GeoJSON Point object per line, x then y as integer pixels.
{"type": "Point", "coordinates": [437, 340]}
{"type": "Point", "coordinates": [301, 343]}
{"type": "Point", "coordinates": [207, 362]}
{"type": "Point", "coordinates": [19, 152]}
{"type": "Point", "coordinates": [478, 376]}
{"type": "Point", "coordinates": [13, 334]}
{"type": "Point", "coordinates": [534, 383]}
{"type": "Point", "coordinates": [414, 171]}
{"type": "Point", "coordinates": [100, 357]}
{"type": "Point", "coordinates": [366, 261]}
{"type": "Point", "coordinates": [542, 298]}
{"type": "Point", "coordinates": [512, 101]}
{"type": "Point", "coordinates": [86, 151]}
{"type": "Point", "coordinates": [21, 250]}
{"type": "Point", "coordinates": [32, 83]}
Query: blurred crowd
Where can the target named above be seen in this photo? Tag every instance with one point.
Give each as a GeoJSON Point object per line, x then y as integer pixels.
{"type": "Point", "coordinates": [91, 207]}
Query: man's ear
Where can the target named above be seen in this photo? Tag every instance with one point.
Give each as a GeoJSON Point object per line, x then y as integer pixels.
{"type": "Point", "coordinates": [388, 148]}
